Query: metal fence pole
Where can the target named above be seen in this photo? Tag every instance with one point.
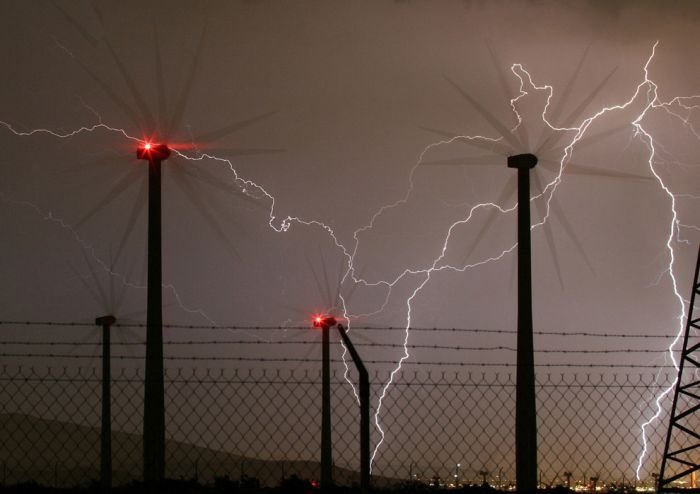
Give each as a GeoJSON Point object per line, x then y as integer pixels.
{"type": "Point", "coordinates": [364, 411]}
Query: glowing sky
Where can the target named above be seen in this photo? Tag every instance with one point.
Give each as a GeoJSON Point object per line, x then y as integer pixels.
{"type": "Point", "coordinates": [350, 96]}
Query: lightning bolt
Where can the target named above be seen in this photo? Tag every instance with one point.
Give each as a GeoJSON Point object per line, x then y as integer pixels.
{"type": "Point", "coordinates": [672, 229]}
{"type": "Point", "coordinates": [247, 186]}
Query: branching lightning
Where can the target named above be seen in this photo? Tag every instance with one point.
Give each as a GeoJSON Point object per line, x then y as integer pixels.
{"type": "Point", "coordinates": [648, 88]}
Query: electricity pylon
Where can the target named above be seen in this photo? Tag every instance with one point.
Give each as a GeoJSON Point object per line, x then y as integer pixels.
{"type": "Point", "coordinates": [680, 457]}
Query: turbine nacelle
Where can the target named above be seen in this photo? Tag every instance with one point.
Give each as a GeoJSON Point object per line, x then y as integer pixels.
{"type": "Point", "coordinates": [105, 321]}
{"type": "Point", "coordinates": [322, 321]}
{"type": "Point", "coordinates": [153, 152]}
{"type": "Point", "coordinates": [526, 160]}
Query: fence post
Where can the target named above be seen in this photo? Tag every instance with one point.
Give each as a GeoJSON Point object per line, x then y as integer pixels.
{"type": "Point", "coordinates": [364, 411]}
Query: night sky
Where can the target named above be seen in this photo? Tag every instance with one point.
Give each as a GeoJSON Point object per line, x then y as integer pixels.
{"type": "Point", "coordinates": [318, 136]}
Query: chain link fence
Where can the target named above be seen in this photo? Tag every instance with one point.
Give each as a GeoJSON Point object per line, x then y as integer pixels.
{"type": "Point", "coordinates": [265, 424]}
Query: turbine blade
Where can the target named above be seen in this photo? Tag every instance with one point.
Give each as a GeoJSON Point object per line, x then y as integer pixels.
{"type": "Point", "coordinates": [76, 25]}
{"type": "Point", "coordinates": [330, 301]}
{"type": "Point", "coordinates": [466, 161]}
{"type": "Point", "coordinates": [556, 210]}
{"type": "Point", "coordinates": [503, 82]}
{"type": "Point", "coordinates": [93, 164]}
{"type": "Point", "coordinates": [590, 171]}
{"type": "Point", "coordinates": [129, 272]}
{"type": "Point", "coordinates": [125, 333]}
{"type": "Point", "coordinates": [128, 324]}
{"type": "Point", "coordinates": [295, 310]}
{"type": "Point", "coordinates": [91, 291]}
{"type": "Point", "coordinates": [203, 209]}
{"type": "Point", "coordinates": [184, 95]}
{"type": "Point", "coordinates": [554, 138]}
{"type": "Point", "coordinates": [94, 350]}
{"type": "Point", "coordinates": [160, 82]}
{"type": "Point", "coordinates": [136, 209]}
{"type": "Point", "coordinates": [106, 88]}
{"type": "Point", "coordinates": [547, 230]}
{"type": "Point", "coordinates": [299, 335]}
{"type": "Point", "coordinates": [322, 285]}
{"type": "Point", "coordinates": [317, 282]}
{"type": "Point", "coordinates": [205, 176]}
{"type": "Point", "coordinates": [339, 283]}
{"type": "Point", "coordinates": [508, 190]}
{"type": "Point", "coordinates": [556, 113]}
{"type": "Point", "coordinates": [524, 135]}
{"type": "Point", "coordinates": [550, 165]}
{"type": "Point", "coordinates": [135, 93]}
{"type": "Point", "coordinates": [488, 116]}
{"type": "Point", "coordinates": [502, 79]}
{"type": "Point", "coordinates": [126, 179]}
{"type": "Point", "coordinates": [587, 141]}
{"type": "Point", "coordinates": [98, 13]}
{"type": "Point", "coordinates": [234, 152]}
{"type": "Point", "coordinates": [496, 147]}
{"type": "Point", "coordinates": [215, 135]}
{"type": "Point", "coordinates": [440, 133]}
{"type": "Point", "coordinates": [569, 120]}
{"type": "Point", "coordinates": [112, 297]}
{"type": "Point", "coordinates": [351, 292]}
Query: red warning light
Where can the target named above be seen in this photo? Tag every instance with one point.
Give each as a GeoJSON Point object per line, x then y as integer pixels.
{"type": "Point", "coordinates": [152, 152]}
{"type": "Point", "coordinates": [323, 321]}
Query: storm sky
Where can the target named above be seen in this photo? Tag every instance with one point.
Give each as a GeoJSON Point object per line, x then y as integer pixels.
{"type": "Point", "coordinates": [320, 114]}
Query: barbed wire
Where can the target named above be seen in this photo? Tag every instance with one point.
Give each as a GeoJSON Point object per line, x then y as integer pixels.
{"type": "Point", "coordinates": [141, 325]}
{"type": "Point", "coordinates": [316, 361]}
{"type": "Point", "coordinates": [309, 343]}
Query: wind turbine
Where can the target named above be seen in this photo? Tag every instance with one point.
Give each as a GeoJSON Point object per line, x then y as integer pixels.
{"type": "Point", "coordinates": [110, 301]}
{"type": "Point", "coordinates": [158, 129]}
{"type": "Point", "coordinates": [325, 322]}
{"type": "Point", "coordinates": [514, 143]}
{"type": "Point", "coordinates": [330, 315]}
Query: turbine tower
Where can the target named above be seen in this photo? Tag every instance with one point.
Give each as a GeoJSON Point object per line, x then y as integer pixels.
{"type": "Point", "coordinates": [154, 397]}
{"type": "Point", "coordinates": [525, 406]}
{"type": "Point", "coordinates": [106, 420]}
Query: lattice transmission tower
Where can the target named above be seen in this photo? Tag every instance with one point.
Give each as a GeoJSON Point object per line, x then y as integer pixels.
{"type": "Point", "coordinates": [682, 450]}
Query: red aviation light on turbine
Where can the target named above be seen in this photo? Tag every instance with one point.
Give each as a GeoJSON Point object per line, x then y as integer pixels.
{"type": "Point", "coordinates": [152, 152]}
{"type": "Point", "coordinates": [321, 321]}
